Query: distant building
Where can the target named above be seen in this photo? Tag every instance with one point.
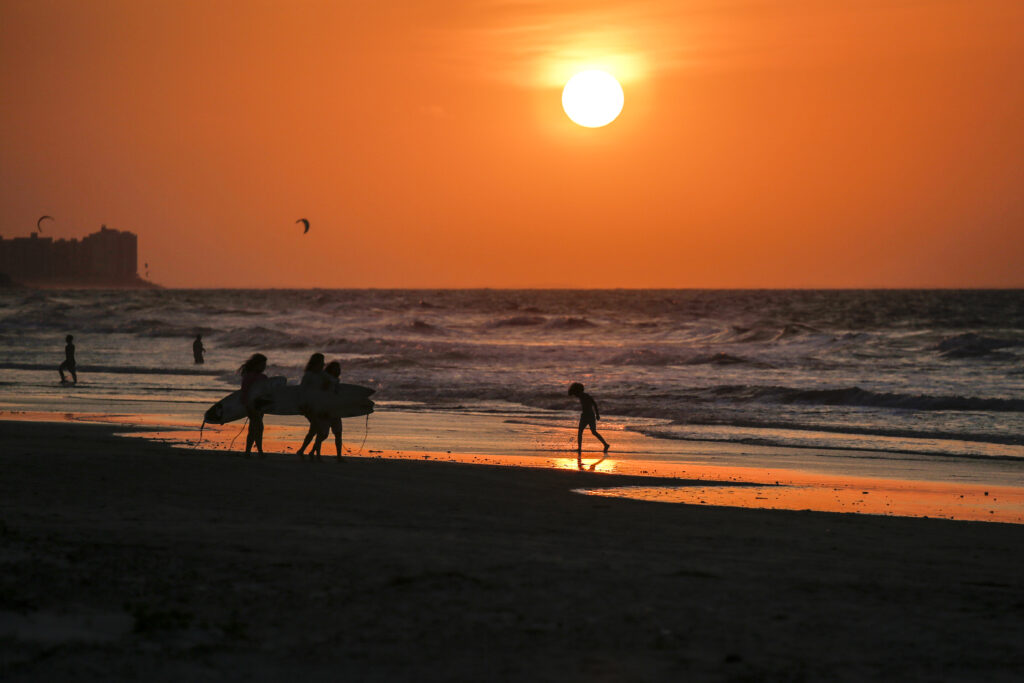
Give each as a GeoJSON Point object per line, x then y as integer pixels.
{"type": "Point", "coordinates": [108, 258]}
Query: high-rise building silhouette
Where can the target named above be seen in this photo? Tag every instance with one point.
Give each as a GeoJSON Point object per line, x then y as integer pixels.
{"type": "Point", "coordinates": [104, 258]}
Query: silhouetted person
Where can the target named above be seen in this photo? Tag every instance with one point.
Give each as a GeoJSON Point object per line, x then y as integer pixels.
{"type": "Point", "coordinates": [69, 361]}
{"type": "Point", "coordinates": [333, 371]}
{"type": "Point", "coordinates": [314, 379]}
{"type": "Point", "coordinates": [589, 415]}
{"type": "Point", "coordinates": [198, 349]}
{"type": "Point", "coordinates": [252, 373]}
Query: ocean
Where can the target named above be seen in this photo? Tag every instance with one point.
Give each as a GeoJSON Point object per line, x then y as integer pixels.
{"type": "Point", "coordinates": [932, 374]}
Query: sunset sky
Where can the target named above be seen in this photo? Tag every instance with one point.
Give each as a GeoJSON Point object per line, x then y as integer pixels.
{"type": "Point", "coordinates": [774, 143]}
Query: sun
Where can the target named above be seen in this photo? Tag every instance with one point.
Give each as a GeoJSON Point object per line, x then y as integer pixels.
{"type": "Point", "coordinates": [592, 98]}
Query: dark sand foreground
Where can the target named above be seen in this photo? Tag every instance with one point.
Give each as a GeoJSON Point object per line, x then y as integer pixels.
{"type": "Point", "coordinates": [122, 559]}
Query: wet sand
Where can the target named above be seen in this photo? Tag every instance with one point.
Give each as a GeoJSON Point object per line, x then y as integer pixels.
{"type": "Point", "coordinates": [127, 559]}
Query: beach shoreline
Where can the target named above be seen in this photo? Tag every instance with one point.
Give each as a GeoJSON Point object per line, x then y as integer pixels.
{"type": "Point", "coordinates": [129, 559]}
{"type": "Point", "coordinates": [788, 478]}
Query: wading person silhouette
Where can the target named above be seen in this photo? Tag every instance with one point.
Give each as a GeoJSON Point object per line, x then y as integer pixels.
{"type": "Point", "coordinates": [252, 375]}
{"type": "Point", "coordinates": [69, 361]}
{"type": "Point", "coordinates": [589, 415]}
{"type": "Point", "coordinates": [313, 380]}
{"type": "Point", "coordinates": [198, 349]}
{"type": "Point", "coordinates": [333, 371]}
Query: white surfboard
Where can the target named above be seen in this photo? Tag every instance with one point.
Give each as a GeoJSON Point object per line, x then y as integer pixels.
{"type": "Point", "coordinates": [231, 407]}
{"type": "Point", "coordinates": [277, 397]}
{"type": "Point", "coordinates": [342, 400]}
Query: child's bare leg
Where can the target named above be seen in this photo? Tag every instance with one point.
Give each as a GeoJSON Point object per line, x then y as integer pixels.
{"type": "Point", "coordinates": [250, 433]}
{"type": "Point", "coordinates": [322, 429]}
{"type": "Point", "coordinates": [335, 428]}
{"type": "Point", "coordinates": [259, 436]}
{"type": "Point", "coordinates": [305, 442]}
{"type": "Point", "coordinates": [593, 430]}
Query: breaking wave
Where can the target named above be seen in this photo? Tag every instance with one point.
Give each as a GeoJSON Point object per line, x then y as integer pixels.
{"type": "Point", "coordinates": [520, 321]}
{"type": "Point", "coordinates": [654, 358]}
{"type": "Point", "coordinates": [971, 345]}
{"type": "Point", "coordinates": [570, 323]}
{"type": "Point", "coordinates": [855, 396]}
{"type": "Point", "coordinates": [115, 369]}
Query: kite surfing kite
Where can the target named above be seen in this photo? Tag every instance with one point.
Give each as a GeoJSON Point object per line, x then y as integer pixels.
{"type": "Point", "coordinates": [305, 224]}
{"type": "Point", "coordinates": [39, 227]}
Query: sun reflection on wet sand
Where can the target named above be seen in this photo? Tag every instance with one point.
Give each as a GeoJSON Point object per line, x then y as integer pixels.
{"type": "Point", "coordinates": [863, 496]}
{"type": "Point", "coordinates": [777, 489]}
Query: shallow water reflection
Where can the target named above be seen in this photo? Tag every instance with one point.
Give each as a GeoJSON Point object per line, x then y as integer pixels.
{"type": "Point", "coordinates": [880, 497]}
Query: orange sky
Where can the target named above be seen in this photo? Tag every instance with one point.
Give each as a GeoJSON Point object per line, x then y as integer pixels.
{"type": "Point", "coordinates": [763, 143]}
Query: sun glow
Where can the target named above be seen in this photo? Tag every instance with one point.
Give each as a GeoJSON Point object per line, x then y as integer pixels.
{"type": "Point", "coordinates": [592, 98]}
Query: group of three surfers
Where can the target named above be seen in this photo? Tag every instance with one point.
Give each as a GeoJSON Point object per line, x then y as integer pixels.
{"type": "Point", "coordinates": [318, 376]}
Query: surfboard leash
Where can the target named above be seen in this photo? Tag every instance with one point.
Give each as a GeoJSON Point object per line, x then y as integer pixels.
{"type": "Point", "coordinates": [232, 444]}
{"type": "Point", "coordinates": [366, 432]}
{"type": "Point", "coordinates": [196, 444]}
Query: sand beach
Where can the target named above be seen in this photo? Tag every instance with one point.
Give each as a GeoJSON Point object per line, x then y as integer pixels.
{"type": "Point", "coordinates": [663, 341]}
{"type": "Point", "coordinates": [129, 559]}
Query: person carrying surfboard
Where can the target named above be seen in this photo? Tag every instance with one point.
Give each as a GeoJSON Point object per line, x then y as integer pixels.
{"type": "Point", "coordinates": [252, 374]}
{"type": "Point", "coordinates": [314, 379]}
{"type": "Point", "coordinates": [333, 371]}
{"type": "Point", "coordinates": [589, 416]}
{"type": "Point", "coordinates": [69, 361]}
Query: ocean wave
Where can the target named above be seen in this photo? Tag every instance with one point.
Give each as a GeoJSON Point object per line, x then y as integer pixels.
{"type": "Point", "coordinates": [655, 358]}
{"type": "Point", "coordinates": [644, 357]}
{"type": "Point", "coordinates": [570, 323]}
{"type": "Point", "coordinates": [857, 397]}
{"type": "Point", "coordinates": [381, 362]}
{"type": "Point", "coordinates": [792, 435]}
{"type": "Point", "coordinates": [417, 326]}
{"type": "Point", "coordinates": [259, 336]}
{"type": "Point", "coordinates": [520, 321]}
{"type": "Point", "coordinates": [747, 335]}
{"type": "Point", "coordinates": [114, 369]}
{"type": "Point", "coordinates": [767, 333]}
{"type": "Point", "coordinates": [971, 345]}
{"type": "Point", "coordinates": [215, 310]}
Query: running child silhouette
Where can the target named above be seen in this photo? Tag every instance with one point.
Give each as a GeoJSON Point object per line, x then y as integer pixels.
{"type": "Point", "coordinates": [69, 361]}
{"type": "Point", "coordinates": [589, 415]}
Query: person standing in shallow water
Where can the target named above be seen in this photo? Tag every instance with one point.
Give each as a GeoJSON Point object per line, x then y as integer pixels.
{"type": "Point", "coordinates": [589, 416]}
{"type": "Point", "coordinates": [198, 349]}
{"type": "Point", "coordinates": [252, 374]}
{"type": "Point", "coordinates": [69, 361]}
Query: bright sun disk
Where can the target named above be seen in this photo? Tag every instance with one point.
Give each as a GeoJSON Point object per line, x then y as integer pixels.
{"type": "Point", "coordinates": [592, 98]}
